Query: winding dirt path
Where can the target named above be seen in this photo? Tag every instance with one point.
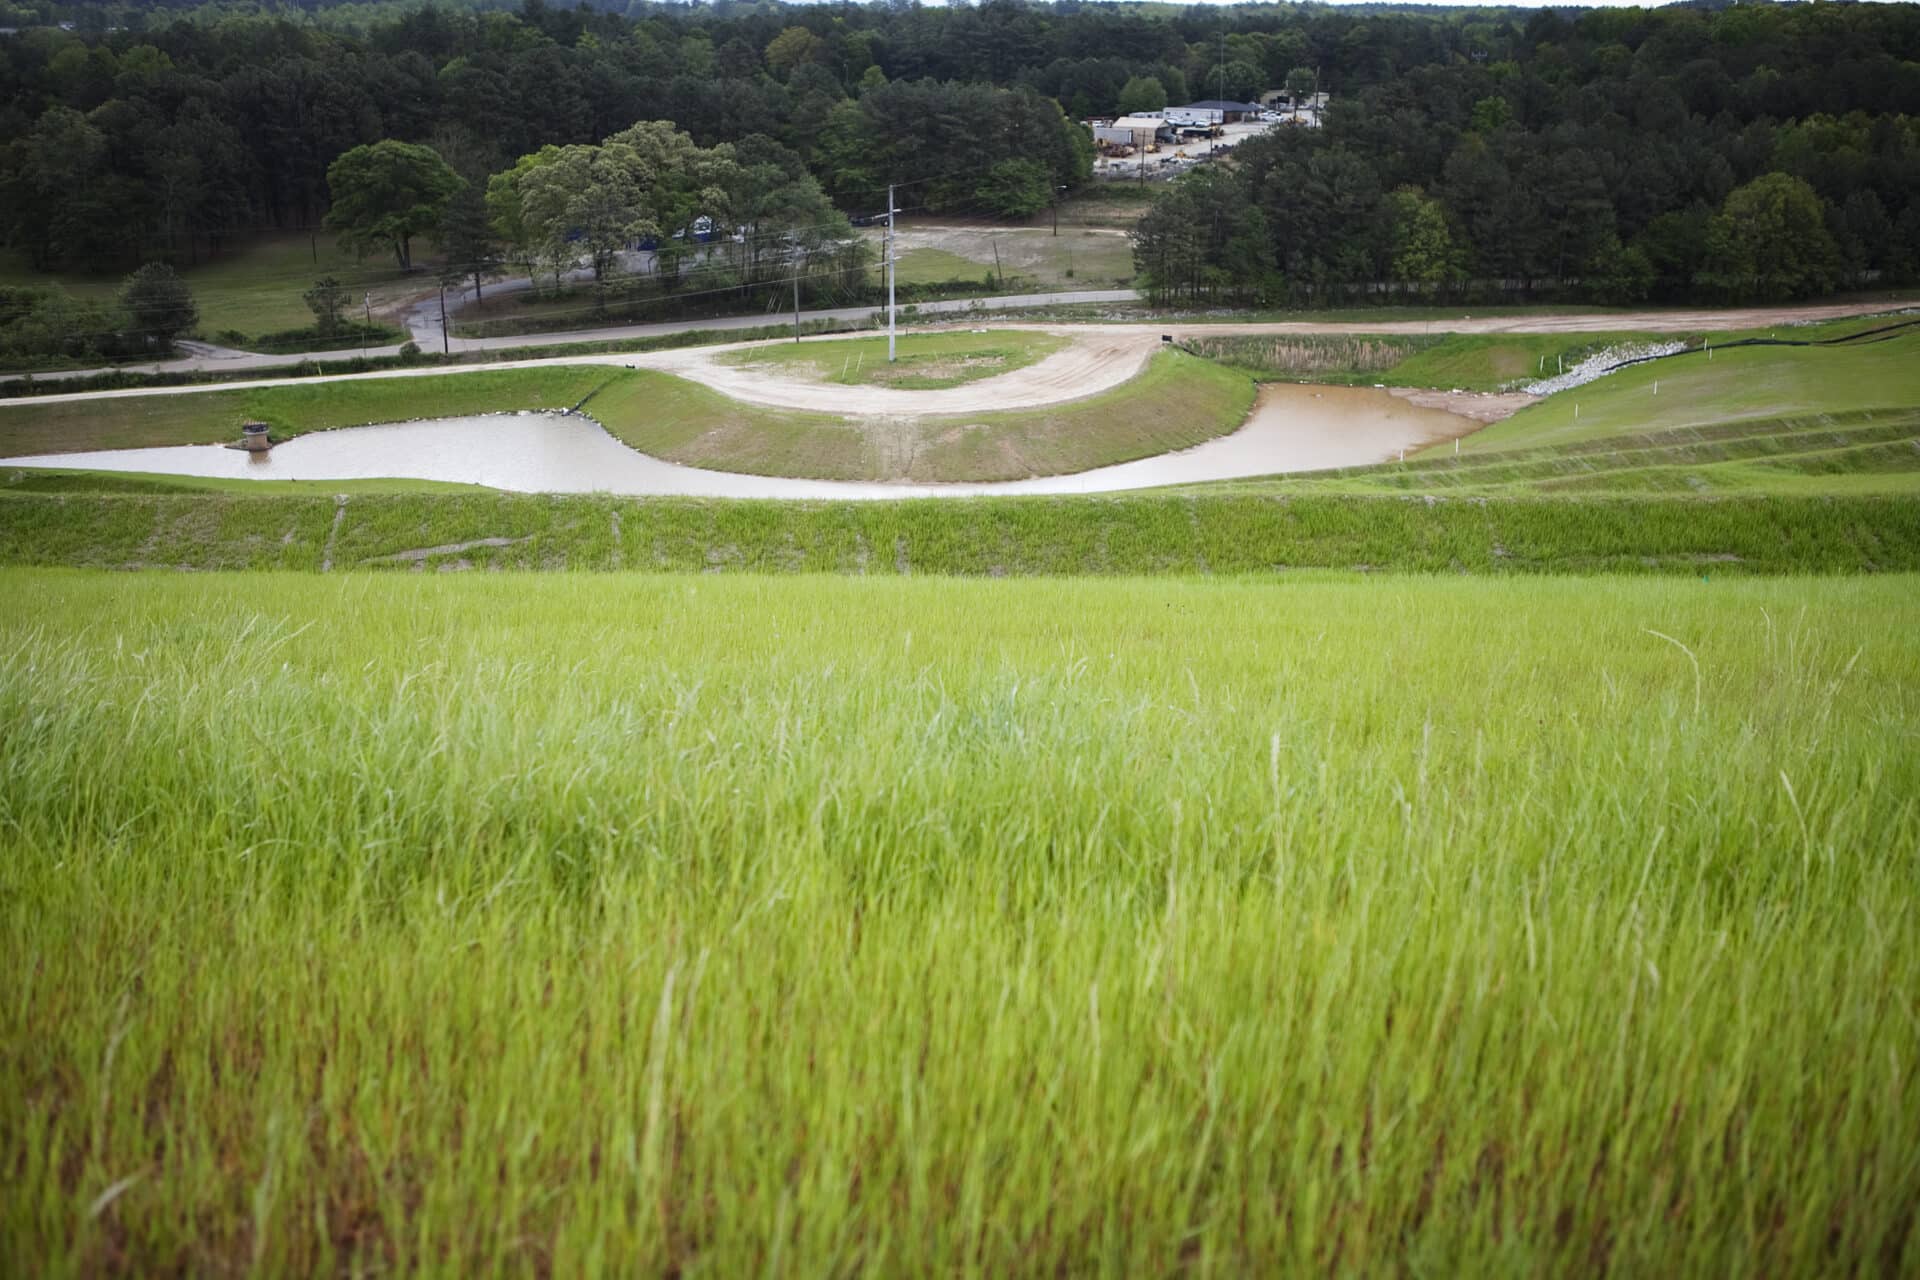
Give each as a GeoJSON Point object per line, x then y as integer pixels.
{"type": "Point", "coordinates": [1090, 364]}
{"type": "Point", "coordinates": [1664, 321]}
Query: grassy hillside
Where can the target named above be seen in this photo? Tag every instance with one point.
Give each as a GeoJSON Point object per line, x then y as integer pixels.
{"type": "Point", "coordinates": [1838, 454]}
{"type": "Point", "coordinates": [1754, 420]}
{"type": "Point", "coordinates": [811, 926]}
{"type": "Point", "coordinates": [1205, 533]}
{"type": "Point", "coordinates": [1744, 383]}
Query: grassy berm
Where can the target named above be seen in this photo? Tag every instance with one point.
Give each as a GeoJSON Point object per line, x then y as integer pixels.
{"type": "Point", "coordinates": [124, 522]}
{"type": "Point", "coordinates": [556, 925]}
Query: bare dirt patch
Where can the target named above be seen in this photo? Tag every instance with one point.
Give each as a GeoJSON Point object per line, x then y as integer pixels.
{"type": "Point", "coordinates": [1092, 363]}
{"type": "Point", "coordinates": [1481, 406]}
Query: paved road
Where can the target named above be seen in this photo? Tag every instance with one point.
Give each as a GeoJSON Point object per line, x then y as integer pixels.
{"type": "Point", "coordinates": [224, 360]}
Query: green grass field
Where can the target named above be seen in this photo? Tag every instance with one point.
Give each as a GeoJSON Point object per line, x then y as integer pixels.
{"type": "Point", "coordinates": [1028, 257]}
{"type": "Point", "coordinates": [819, 905]}
{"type": "Point", "coordinates": [819, 926]}
{"type": "Point", "coordinates": [925, 361]}
{"type": "Point", "coordinates": [255, 286]}
{"type": "Point", "coordinates": [933, 266]}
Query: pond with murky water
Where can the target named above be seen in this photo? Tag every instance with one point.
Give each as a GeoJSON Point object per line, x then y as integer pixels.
{"type": "Point", "coordinates": [1292, 428]}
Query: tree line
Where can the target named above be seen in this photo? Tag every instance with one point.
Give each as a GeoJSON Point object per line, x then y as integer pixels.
{"type": "Point", "coordinates": [1668, 155]}
{"type": "Point", "coordinates": [1595, 150]}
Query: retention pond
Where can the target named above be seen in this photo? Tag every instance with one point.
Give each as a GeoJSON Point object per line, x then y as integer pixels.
{"type": "Point", "coordinates": [1292, 428]}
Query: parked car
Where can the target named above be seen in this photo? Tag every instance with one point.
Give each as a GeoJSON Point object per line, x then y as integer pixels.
{"type": "Point", "coordinates": [702, 230]}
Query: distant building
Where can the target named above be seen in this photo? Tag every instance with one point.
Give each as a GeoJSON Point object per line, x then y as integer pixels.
{"type": "Point", "coordinates": [1230, 112]}
{"type": "Point", "coordinates": [1132, 131]}
{"type": "Point", "coordinates": [1281, 100]}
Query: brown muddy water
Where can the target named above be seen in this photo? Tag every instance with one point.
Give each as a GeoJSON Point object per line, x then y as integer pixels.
{"type": "Point", "coordinates": [1291, 428]}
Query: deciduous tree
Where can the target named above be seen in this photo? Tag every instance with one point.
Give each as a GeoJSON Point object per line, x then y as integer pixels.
{"type": "Point", "coordinates": [1016, 189]}
{"type": "Point", "coordinates": [467, 239]}
{"type": "Point", "coordinates": [1142, 93]}
{"type": "Point", "coordinates": [160, 303]}
{"type": "Point", "coordinates": [1423, 249]}
{"type": "Point", "coordinates": [791, 48]}
{"type": "Point", "coordinates": [326, 300]}
{"type": "Point", "coordinates": [386, 194]}
{"type": "Point", "coordinates": [1770, 242]}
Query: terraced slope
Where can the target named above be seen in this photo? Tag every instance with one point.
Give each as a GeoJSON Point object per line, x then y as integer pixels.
{"type": "Point", "coordinates": [1865, 451]}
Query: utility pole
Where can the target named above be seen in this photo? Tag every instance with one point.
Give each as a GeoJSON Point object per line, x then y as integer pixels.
{"type": "Point", "coordinates": [445, 346]}
{"type": "Point", "coordinates": [798, 264]}
{"type": "Point", "coordinates": [367, 332]}
{"type": "Point", "coordinates": [893, 312]}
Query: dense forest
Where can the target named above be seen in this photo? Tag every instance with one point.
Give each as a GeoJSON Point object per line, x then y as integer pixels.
{"type": "Point", "coordinates": [1615, 153]}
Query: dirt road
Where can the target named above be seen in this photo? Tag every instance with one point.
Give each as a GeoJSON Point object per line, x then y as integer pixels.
{"type": "Point", "coordinates": [1102, 356]}
{"type": "Point", "coordinates": [1687, 321]}
{"type": "Point", "coordinates": [1091, 364]}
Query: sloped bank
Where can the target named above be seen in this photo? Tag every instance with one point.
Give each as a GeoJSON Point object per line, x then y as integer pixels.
{"type": "Point", "coordinates": [1122, 534]}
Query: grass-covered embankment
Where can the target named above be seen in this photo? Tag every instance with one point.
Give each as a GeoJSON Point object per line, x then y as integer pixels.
{"type": "Point", "coordinates": [925, 361]}
{"type": "Point", "coordinates": [1465, 361]}
{"type": "Point", "coordinates": [1788, 421]}
{"type": "Point", "coordinates": [1154, 533]}
{"type": "Point", "coordinates": [1699, 390]}
{"type": "Point", "coordinates": [815, 926]}
{"type": "Point", "coordinates": [1838, 454]}
{"type": "Point", "coordinates": [1178, 401]}
{"type": "Point", "coordinates": [1806, 380]}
